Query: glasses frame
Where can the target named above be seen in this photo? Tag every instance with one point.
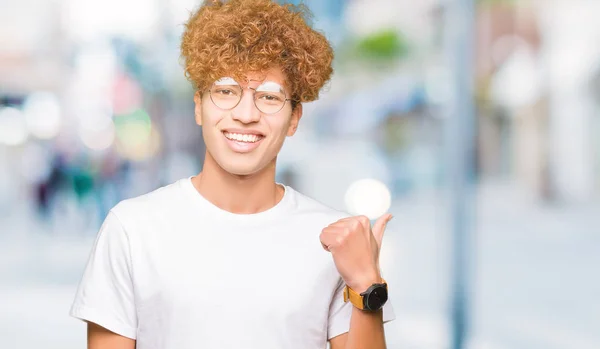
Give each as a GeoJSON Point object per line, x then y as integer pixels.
{"type": "Point", "coordinates": [253, 98]}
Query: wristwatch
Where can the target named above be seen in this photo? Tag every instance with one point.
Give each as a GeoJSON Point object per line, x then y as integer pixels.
{"type": "Point", "coordinates": [371, 300]}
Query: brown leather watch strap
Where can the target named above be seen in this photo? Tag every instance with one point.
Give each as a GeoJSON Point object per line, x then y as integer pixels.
{"type": "Point", "coordinates": [355, 298]}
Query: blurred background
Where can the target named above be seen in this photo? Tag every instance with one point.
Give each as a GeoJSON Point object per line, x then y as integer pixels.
{"type": "Point", "coordinates": [94, 109]}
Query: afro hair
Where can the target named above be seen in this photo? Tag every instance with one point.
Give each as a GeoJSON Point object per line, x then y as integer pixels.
{"type": "Point", "coordinates": [233, 38]}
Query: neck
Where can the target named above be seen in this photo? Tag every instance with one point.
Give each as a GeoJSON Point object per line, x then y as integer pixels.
{"type": "Point", "coordinates": [240, 194]}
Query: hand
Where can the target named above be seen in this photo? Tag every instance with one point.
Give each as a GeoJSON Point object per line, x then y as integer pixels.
{"type": "Point", "coordinates": [355, 249]}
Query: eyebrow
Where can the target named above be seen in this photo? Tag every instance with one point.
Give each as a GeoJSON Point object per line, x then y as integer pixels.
{"type": "Point", "coordinates": [270, 86]}
{"type": "Point", "coordinates": [227, 80]}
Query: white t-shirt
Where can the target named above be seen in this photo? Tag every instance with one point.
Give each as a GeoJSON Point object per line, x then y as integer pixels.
{"type": "Point", "coordinates": [172, 270]}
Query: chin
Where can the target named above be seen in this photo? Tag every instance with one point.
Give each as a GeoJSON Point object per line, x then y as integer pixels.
{"type": "Point", "coordinates": [242, 164]}
{"type": "Point", "coordinates": [242, 169]}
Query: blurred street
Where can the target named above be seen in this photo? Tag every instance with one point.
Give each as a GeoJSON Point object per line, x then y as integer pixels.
{"type": "Point", "coordinates": [535, 275]}
{"type": "Point", "coordinates": [95, 108]}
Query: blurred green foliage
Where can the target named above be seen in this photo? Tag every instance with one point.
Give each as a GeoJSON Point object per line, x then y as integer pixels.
{"type": "Point", "coordinates": [387, 44]}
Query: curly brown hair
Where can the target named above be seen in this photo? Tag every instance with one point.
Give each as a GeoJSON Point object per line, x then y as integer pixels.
{"type": "Point", "coordinates": [233, 38]}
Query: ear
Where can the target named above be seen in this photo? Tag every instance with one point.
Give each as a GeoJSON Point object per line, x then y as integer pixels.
{"type": "Point", "coordinates": [198, 108]}
{"type": "Point", "coordinates": [296, 116]}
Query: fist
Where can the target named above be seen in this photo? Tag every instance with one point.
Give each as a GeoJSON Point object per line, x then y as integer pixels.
{"type": "Point", "coordinates": [355, 248]}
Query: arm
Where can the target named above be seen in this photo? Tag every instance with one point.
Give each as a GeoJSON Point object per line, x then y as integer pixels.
{"type": "Point", "coordinates": [355, 249]}
{"type": "Point", "coordinates": [100, 338]}
{"type": "Point", "coordinates": [366, 331]}
{"type": "Point", "coordinates": [105, 297]}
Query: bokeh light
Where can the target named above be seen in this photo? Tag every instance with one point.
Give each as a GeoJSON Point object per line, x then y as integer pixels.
{"type": "Point", "coordinates": [98, 138]}
{"type": "Point", "coordinates": [136, 138]}
{"type": "Point", "coordinates": [368, 197]}
{"type": "Point", "coordinates": [13, 128]}
{"type": "Point", "coordinates": [43, 115]}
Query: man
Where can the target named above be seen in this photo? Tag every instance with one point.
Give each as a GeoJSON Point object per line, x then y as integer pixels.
{"type": "Point", "coordinates": [230, 258]}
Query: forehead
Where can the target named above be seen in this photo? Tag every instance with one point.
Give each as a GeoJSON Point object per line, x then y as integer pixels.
{"type": "Point", "coordinates": [256, 78]}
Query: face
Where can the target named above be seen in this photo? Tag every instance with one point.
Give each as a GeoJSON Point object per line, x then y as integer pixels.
{"type": "Point", "coordinates": [243, 140]}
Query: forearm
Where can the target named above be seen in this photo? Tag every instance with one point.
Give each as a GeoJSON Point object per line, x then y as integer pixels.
{"type": "Point", "coordinates": [366, 330]}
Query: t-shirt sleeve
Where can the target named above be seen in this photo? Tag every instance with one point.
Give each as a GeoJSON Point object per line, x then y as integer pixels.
{"type": "Point", "coordinates": [105, 294]}
{"type": "Point", "coordinates": [340, 313]}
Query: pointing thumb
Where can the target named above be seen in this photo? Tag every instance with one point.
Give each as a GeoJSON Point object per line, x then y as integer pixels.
{"type": "Point", "coordinates": [379, 227]}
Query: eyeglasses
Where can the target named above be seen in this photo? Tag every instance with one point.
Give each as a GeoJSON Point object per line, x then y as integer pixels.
{"type": "Point", "coordinates": [269, 97]}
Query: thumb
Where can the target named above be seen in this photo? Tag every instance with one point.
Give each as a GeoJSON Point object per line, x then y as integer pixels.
{"type": "Point", "coordinates": [379, 227]}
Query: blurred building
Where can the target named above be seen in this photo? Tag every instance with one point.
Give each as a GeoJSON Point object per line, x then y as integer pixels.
{"type": "Point", "coordinates": [538, 110]}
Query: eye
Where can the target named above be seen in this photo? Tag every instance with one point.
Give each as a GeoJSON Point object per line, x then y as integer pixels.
{"type": "Point", "coordinates": [226, 91]}
{"type": "Point", "coordinates": [270, 97]}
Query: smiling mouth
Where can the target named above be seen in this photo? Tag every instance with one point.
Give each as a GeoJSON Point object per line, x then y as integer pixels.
{"type": "Point", "coordinates": [243, 138]}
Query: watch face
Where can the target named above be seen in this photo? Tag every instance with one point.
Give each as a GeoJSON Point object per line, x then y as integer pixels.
{"type": "Point", "coordinates": [377, 298]}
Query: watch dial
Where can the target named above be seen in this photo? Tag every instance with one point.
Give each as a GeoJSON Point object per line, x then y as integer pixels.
{"type": "Point", "coordinates": [377, 298]}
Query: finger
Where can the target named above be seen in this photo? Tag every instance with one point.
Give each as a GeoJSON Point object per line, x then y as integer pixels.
{"type": "Point", "coordinates": [350, 219]}
{"type": "Point", "coordinates": [379, 227]}
{"type": "Point", "coordinates": [352, 222]}
{"type": "Point", "coordinates": [329, 237]}
{"type": "Point", "coordinates": [342, 222]}
{"type": "Point", "coordinates": [365, 222]}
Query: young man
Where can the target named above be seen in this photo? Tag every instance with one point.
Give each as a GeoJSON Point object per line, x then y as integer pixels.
{"type": "Point", "coordinates": [230, 258]}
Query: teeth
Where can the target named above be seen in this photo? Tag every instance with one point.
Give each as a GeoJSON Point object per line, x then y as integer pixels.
{"type": "Point", "coordinates": [242, 137]}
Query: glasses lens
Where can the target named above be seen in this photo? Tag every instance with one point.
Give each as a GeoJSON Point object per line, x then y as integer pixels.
{"type": "Point", "coordinates": [269, 103]}
{"type": "Point", "coordinates": [225, 94]}
{"type": "Point", "coordinates": [269, 97]}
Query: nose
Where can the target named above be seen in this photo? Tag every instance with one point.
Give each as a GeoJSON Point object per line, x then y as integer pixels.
{"type": "Point", "coordinates": [246, 111]}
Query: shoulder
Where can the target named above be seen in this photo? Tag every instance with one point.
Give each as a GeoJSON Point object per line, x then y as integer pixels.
{"type": "Point", "coordinates": [151, 204]}
{"type": "Point", "coordinates": [315, 210]}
